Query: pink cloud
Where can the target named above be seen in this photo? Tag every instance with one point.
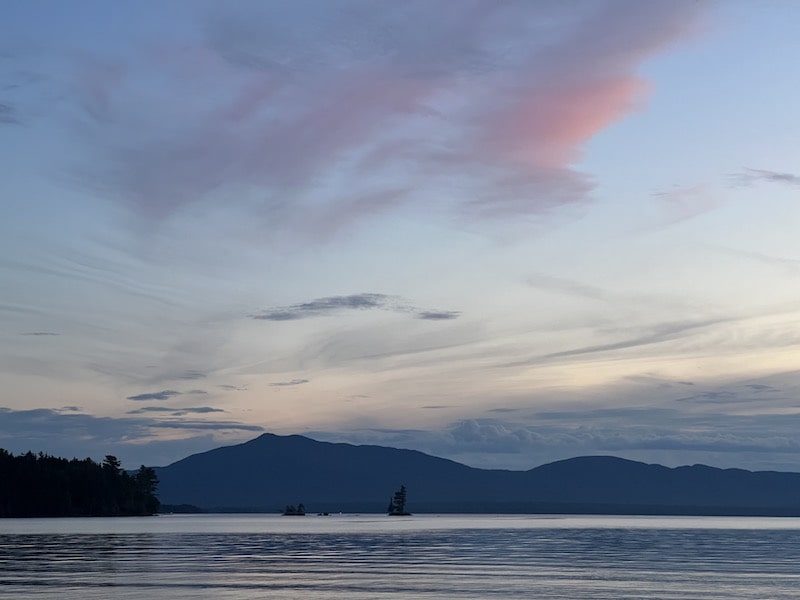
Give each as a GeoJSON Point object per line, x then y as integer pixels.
{"type": "Point", "coordinates": [361, 106]}
{"type": "Point", "coordinates": [547, 127]}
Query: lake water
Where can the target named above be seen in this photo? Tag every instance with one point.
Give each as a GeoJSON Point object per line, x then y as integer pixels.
{"type": "Point", "coordinates": [378, 557]}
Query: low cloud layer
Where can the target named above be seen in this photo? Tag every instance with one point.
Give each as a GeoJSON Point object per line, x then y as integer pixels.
{"type": "Point", "coordinates": [134, 439]}
{"type": "Point", "coordinates": [663, 436]}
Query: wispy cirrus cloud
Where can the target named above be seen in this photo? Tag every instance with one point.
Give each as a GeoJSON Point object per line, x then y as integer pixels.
{"type": "Point", "coordinates": [567, 286]}
{"type": "Point", "coordinates": [190, 374]}
{"type": "Point", "coordinates": [232, 388]}
{"type": "Point", "coordinates": [789, 264]}
{"type": "Point", "coordinates": [646, 336]}
{"type": "Point", "coordinates": [683, 203]}
{"type": "Point", "coordinates": [660, 333]}
{"type": "Point", "coordinates": [747, 177]}
{"type": "Point", "coordinates": [496, 97]}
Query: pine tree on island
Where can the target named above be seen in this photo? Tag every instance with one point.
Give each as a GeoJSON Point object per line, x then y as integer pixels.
{"type": "Point", "coordinates": [397, 505]}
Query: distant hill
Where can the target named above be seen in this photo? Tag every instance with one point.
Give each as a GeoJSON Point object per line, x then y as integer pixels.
{"type": "Point", "coordinates": [271, 471]}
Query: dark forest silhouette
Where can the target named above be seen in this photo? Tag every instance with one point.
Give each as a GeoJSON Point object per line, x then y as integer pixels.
{"type": "Point", "coordinates": [38, 485]}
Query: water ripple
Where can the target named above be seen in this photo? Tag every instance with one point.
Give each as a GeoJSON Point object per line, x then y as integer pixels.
{"type": "Point", "coordinates": [598, 563]}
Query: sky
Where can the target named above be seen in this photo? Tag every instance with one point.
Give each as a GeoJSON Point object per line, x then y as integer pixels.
{"type": "Point", "coordinates": [502, 232]}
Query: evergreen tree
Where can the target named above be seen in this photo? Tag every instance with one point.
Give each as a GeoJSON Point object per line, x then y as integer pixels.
{"type": "Point", "coordinates": [47, 486]}
{"type": "Point", "coordinates": [397, 505]}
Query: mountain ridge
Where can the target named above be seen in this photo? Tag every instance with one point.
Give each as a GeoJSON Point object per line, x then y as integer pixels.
{"type": "Point", "coordinates": [270, 471]}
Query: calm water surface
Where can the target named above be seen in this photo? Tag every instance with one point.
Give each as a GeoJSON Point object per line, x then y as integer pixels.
{"type": "Point", "coordinates": [373, 556]}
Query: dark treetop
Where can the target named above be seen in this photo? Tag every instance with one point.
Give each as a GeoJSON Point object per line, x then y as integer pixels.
{"type": "Point", "coordinates": [34, 485]}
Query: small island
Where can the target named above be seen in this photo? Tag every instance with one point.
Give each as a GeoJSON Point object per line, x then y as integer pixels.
{"type": "Point", "coordinates": [397, 505]}
{"type": "Point", "coordinates": [291, 511]}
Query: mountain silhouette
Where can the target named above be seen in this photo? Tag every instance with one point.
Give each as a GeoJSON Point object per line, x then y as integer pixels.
{"type": "Point", "coordinates": [271, 471]}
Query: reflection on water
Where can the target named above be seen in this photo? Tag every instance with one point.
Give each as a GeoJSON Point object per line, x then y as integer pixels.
{"type": "Point", "coordinates": [375, 557]}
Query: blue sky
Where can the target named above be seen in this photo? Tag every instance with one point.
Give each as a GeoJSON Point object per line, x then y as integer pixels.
{"type": "Point", "coordinates": [507, 234]}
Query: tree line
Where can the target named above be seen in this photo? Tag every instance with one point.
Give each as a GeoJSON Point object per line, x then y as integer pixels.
{"type": "Point", "coordinates": [39, 485]}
